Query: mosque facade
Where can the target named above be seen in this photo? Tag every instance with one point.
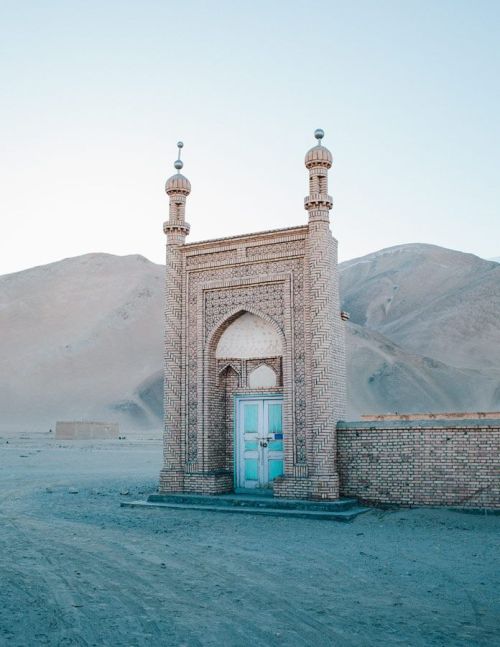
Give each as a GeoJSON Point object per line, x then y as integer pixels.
{"type": "Point", "coordinates": [254, 352]}
{"type": "Point", "coordinates": [255, 384]}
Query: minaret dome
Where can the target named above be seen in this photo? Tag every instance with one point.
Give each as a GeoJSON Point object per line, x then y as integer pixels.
{"type": "Point", "coordinates": [318, 155]}
{"type": "Point", "coordinates": [178, 183]}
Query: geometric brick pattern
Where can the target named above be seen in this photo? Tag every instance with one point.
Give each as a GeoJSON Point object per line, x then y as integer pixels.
{"type": "Point", "coordinates": [217, 303]}
{"type": "Point", "coordinates": [287, 277]}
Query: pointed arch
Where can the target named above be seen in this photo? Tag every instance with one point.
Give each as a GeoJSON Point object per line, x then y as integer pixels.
{"type": "Point", "coordinates": [216, 430]}
{"type": "Point", "coordinates": [249, 337]}
{"type": "Point", "coordinates": [225, 369]}
{"type": "Point", "coordinates": [261, 376]}
{"type": "Point", "coordinates": [232, 365]}
{"type": "Point", "coordinates": [224, 322]}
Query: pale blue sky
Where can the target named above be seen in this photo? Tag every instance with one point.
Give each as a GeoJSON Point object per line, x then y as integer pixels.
{"type": "Point", "coordinates": [95, 95]}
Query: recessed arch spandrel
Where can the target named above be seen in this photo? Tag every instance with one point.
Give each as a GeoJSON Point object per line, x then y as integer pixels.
{"type": "Point", "coordinates": [268, 297]}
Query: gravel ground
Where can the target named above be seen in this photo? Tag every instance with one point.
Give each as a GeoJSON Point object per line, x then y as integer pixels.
{"type": "Point", "coordinates": [76, 569]}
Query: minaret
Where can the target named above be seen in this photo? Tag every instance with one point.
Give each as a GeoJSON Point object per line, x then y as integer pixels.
{"type": "Point", "coordinates": [176, 228]}
{"type": "Point", "coordinates": [327, 350]}
{"type": "Point", "coordinates": [177, 188]}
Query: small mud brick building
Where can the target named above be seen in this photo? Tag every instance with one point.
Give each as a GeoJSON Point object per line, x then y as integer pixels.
{"type": "Point", "coordinates": [86, 430]}
{"type": "Point", "coordinates": [254, 352]}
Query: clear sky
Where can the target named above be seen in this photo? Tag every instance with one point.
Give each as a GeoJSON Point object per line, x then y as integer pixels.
{"type": "Point", "coordinates": [95, 95]}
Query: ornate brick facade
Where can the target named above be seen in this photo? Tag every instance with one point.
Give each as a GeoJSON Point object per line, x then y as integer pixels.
{"type": "Point", "coordinates": [286, 277]}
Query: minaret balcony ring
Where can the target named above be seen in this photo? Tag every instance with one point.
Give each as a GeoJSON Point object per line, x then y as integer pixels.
{"type": "Point", "coordinates": [173, 227]}
{"type": "Point", "coordinates": [318, 199]}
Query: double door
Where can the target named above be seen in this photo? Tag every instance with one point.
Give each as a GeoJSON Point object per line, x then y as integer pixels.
{"type": "Point", "coordinates": [259, 442]}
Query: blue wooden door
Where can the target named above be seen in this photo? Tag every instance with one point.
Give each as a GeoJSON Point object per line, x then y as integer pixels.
{"type": "Point", "coordinates": [259, 442]}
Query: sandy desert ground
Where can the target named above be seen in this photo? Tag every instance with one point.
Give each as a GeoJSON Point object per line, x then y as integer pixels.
{"type": "Point", "coordinates": [76, 569]}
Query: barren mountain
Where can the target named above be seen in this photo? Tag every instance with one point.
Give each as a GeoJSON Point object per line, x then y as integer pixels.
{"type": "Point", "coordinates": [382, 377]}
{"type": "Point", "coordinates": [82, 338]}
{"type": "Point", "coordinates": [429, 300]}
{"type": "Point", "coordinates": [78, 338]}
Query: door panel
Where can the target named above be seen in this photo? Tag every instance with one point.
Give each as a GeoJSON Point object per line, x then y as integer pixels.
{"type": "Point", "coordinates": [275, 426]}
{"type": "Point", "coordinates": [259, 442]}
{"type": "Point", "coordinates": [273, 417]}
{"type": "Point", "coordinates": [251, 469]}
{"type": "Point", "coordinates": [250, 419]}
{"type": "Point", "coordinates": [275, 468]}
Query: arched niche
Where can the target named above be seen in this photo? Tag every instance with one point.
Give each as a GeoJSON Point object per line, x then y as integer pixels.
{"type": "Point", "coordinates": [262, 377]}
{"type": "Point", "coordinates": [242, 341]}
{"type": "Point", "coordinates": [249, 336]}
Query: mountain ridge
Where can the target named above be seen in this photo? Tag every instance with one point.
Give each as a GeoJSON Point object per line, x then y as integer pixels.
{"type": "Point", "coordinates": [417, 295]}
{"type": "Point", "coordinates": [83, 337]}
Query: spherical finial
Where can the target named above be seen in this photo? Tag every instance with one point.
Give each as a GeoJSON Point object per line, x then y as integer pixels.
{"type": "Point", "coordinates": [319, 133]}
{"type": "Point", "coordinates": [178, 184]}
{"type": "Point", "coordinates": [318, 155]}
{"type": "Point", "coordinates": [178, 164]}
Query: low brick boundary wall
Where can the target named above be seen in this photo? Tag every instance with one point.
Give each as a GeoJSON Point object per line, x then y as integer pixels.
{"type": "Point", "coordinates": [421, 462]}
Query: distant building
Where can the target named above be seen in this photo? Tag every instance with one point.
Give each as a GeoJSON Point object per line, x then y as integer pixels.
{"type": "Point", "coordinates": [86, 430]}
{"type": "Point", "coordinates": [254, 353]}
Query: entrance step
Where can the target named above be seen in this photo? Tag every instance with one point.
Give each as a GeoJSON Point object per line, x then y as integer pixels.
{"type": "Point", "coordinates": [254, 500]}
{"type": "Point", "coordinates": [339, 510]}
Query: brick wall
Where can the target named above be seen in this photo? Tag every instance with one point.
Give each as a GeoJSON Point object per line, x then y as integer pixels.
{"type": "Point", "coordinates": [419, 462]}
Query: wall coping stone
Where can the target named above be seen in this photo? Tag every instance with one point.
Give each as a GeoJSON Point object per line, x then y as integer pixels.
{"type": "Point", "coordinates": [244, 237]}
{"type": "Point", "coordinates": [416, 425]}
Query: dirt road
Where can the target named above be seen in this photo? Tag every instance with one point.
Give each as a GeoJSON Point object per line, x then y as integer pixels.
{"type": "Point", "coordinates": [76, 569]}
